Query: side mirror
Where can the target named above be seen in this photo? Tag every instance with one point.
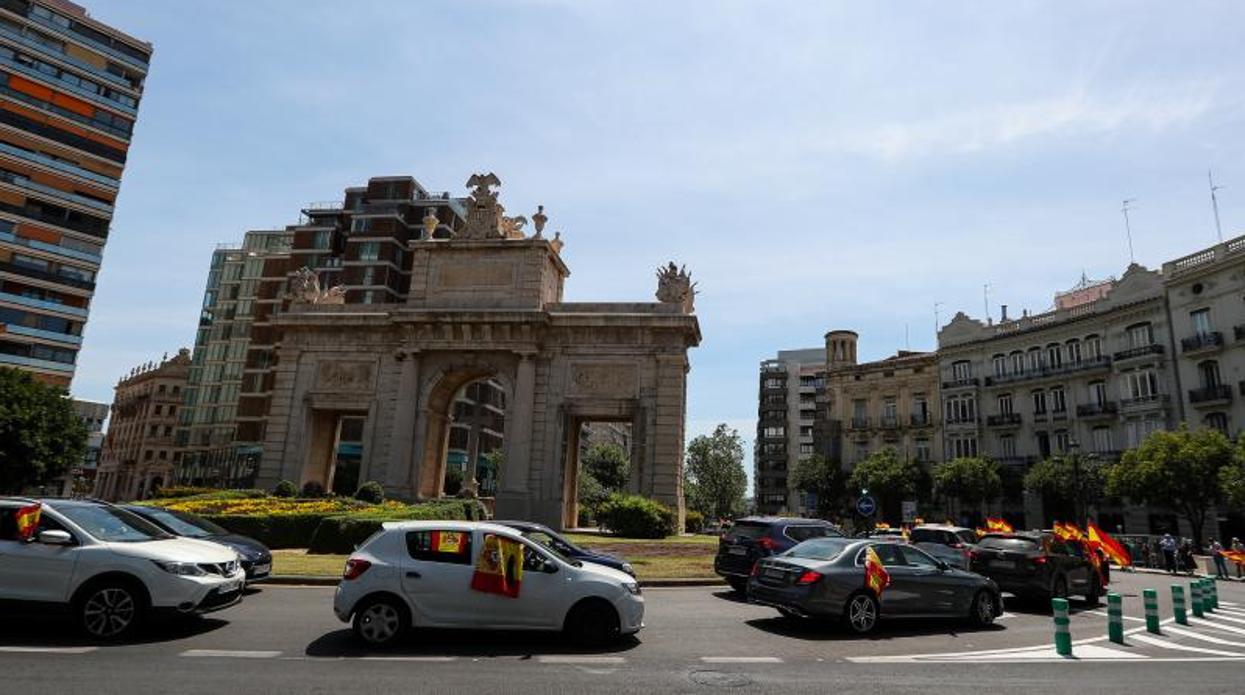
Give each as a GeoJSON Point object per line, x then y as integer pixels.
{"type": "Point", "coordinates": [51, 537]}
{"type": "Point", "coordinates": [550, 567]}
{"type": "Point", "coordinates": [942, 566]}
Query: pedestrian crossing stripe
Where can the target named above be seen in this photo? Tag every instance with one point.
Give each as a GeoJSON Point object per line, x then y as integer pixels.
{"type": "Point", "coordinates": [1167, 644]}
{"type": "Point", "coordinates": [1205, 638]}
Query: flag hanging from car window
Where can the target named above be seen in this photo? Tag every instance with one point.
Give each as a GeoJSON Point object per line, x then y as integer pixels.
{"type": "Point", "coordinates": [448, 542]}
{"type": "Point", "coordinates": [876, 576]}
{"type": "Point", "coordinates": [28, 520]}
{"type": "Point", "coordinates": [499, 569]}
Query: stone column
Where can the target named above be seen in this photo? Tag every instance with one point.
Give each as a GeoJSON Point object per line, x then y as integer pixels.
{"type": "Point", "coordinates": [401, 449]}
{"type": "Point", "coordinates": [667, 463]}
{"type": "Point", "coordinates": [518, 443]}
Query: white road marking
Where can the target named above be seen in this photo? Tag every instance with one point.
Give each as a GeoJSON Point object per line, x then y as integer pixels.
{"type": "Point", "coordinates": [1205, 638]}
{"type": "Point", "coordinates": [580, 660]}
{"type": "Point", "coordinates": [231, 653]}
{"type": "Point", "coordinates": [1105, 614]}
{"type": "Point", "coordinates": [741, 659]}
{"type": "Point", "coordinates": [1005, 616]}
{"type": "Point", "coordinates": [1087, 652]}
{"type": "Point", "coordinates": [1219, 616]}
{"type": "Point", "coordinates": [420, 659]}
{"type": "Point", "coordinates": [1217, 626]}
{"type": "Point", "coordinates": [48, 650]}
{"type": "Point", "coordinates": [1167, 644]}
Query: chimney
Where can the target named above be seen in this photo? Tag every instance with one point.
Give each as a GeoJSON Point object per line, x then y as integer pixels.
{"type": "Point", "coordinates": [1004, 317]}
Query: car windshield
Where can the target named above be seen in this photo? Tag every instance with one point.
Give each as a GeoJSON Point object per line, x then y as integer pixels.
{"type": "Point", "coordinates": [747, 529]}
{"type": "Point", "coordinates": [1017, 545]}
{"type": "Point", "coordinates": [183, 524]}
{"type": "Point", "coordinates": [819, 549]}
{"type": "Point", "coordinates": [112, 524]}
{"type": "Point", "coordinates": [554, 544]}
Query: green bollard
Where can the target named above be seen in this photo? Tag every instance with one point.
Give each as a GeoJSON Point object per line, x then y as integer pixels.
{"type": "Point", "coordinates": [1208, 601]}
{"type": "Point", "coordinates": [1115, 618]}
{"type": "Point", "coordinates": [1151, 598]}
{"type": "Point", "coordinates": [1178, 605]}
{"type": "Point", "coordinates": [1195, 591]}
{"type": "Point", "coordinates": [1063, 638]}
{"type": "Point", "coordinates": [1214, 593]}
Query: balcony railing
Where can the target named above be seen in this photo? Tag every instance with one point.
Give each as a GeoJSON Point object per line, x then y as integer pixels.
{"type": "Point", "coordinates": [1211, 394]}
{"type": "Point", "coordinates": [889, 422]}
{"type": "Point", "coordinates": [1202, 341]}
{"type": "Point", "coordinates": [1142, 351]}
{"type": "Point", "coordinates": [1100, 362]}
{"type": "Point", "coordinates": [960, 383]}
{"type": "Point", "coordinates": [1003, 420]}
{"type": "Point", "coordinates": [1103, 409]}
{"type": "Point", "coordinates": [860, 423]}
{"type": "Point", "coordinates": [961, 419]}
{"type": "Point", "coordinates": [920, 420]}
{"type": "Point", "coordinates": [1152, 400]}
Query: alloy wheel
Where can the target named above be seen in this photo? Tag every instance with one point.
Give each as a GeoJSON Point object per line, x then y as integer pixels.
{"type": "Point", "coordinates": [861, 613]}
{"type": "Point", "coordinates": [985, 609]}
{"type": "Point", "coordinates": [108, 612]}
{"type": "Point", "coordinates": [379, 623]}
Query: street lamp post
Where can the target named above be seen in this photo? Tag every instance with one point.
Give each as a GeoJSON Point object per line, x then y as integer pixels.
{"type": "Point", "coordinates": [1073, 447]}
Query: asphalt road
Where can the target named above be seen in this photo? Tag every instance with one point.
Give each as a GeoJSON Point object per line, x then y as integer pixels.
{"type": "Point", "coordinates": [285, 639]}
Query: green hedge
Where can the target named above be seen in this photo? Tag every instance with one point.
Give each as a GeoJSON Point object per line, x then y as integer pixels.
{"type": "Point", "coordinates": [342, 533]}
{"type": "Point", "coordinates": [633, 516]}
{"type": "Point", "coordinates": [274, 531]}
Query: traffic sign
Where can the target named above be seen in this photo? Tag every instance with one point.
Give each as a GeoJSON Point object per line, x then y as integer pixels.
{"type": "Point", "coordinates": [866, 506]}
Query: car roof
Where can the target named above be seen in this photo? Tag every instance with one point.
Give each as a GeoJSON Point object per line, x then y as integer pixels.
{"type": "Point", "coordinates": [782, 520]}
{"type": "Point", "coordinates": [524, 525]}
{"type": "Point", "coordinates": [942, 527]}
{"type": "Point", "coordinates": [445, 525]}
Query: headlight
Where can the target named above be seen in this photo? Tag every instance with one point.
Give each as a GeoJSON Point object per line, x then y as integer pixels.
{"type": "Point", "coordinates": [626, 567]}
{"type": "Point", "coordinates": [633, 587]}
{"type": "Point", "coordinates": [183, 569]}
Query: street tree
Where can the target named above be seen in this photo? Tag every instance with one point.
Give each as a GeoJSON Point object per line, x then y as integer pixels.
{"type": "Point", "coordinates": [889, 478]}
{"type": "Point", "coordinates": [824, 479]}
{"type": "Point", "coordinates": [40, 435]}
{"type": "Point", "coordinates": [715, 477]}
{"type": "Point", "coordinates": [971, 481]}
{"type": "Point", "coordinates": [1068, 485]}
{"type": "Point", "coordinates": [608, 463]}
{"type": "Point", "coordinates": [1232, 477]}
{"type": "Point", "coordinates": [1180, 470]}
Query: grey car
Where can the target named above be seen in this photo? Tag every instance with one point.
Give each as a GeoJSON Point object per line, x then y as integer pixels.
{"type": "Point", "coordinates": [951, 544]}
{"type": "Point", "coordinates": [824, 579]}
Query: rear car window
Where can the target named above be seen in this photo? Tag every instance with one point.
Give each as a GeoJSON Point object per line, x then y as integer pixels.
{"type": "Point", "coordinates": [452, 547]}
{"type": "Point", "coordinates": [803, 533]}
{"type": "Point", "coordinates": [819, 549]}
{"type": "Point", "coordinates": [1017, 545]}
{"type": "Point", "coordinates": [929, 535]}
{"type": "Point", "coordinates": [967, 537]}
{"type": "Point", "coordinates": [748, 529]}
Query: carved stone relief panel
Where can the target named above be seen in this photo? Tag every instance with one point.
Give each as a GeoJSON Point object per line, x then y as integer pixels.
{"type": "Point", "coordinates": [346, 376]}
{"type": "Point", "coordinates": [604, 380]}
{"type": "Point", "coordinates": [482, 275]}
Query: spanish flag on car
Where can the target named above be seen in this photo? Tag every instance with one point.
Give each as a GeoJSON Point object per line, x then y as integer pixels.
{"type": "Point", "coordinates": [998, 526]}
{"type": "Point", "coordinates": [876, 576]}
{"type": "Point", "coordinates": [499, 570]}
{"type": "Point", "coordinates": [28, 520]}
{"type": "Point", "coordinates": [1118, 553]}
{"type": "Point", "coordinates": [452, 542]}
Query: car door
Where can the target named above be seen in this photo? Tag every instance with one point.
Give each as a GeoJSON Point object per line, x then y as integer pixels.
{"type": "Point", "coordinates": [1079, 571]}
{"type": "Point", "coordinates": [936, 589]}
{"type": "Point", "coordinates": [436, 576]}
{"type": "Point", "coordinates": [539, 598]}
{"type": "Point", "coordinates": [30, 570]}
{"type": "Point", "coordinates": [901, 596]}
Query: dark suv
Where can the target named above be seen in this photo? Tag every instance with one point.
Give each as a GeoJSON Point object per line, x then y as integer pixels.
{"type": "Point", "coordinates": [1036, 565]}
{"type": "Point", "coordinates": [755, 537]}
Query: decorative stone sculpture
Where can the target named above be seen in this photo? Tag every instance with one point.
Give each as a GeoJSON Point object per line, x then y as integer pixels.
{"type": "Point", "coordinates": [675, 286]}
{"type": "Point", "coordinates": [512, 227]}
{"type": "Point", "coordinates": [305, 289]}
{"type": "Point", "coordinates": [484, 216]}
{"type": "Point", "coordinates": [539, 220]}
{"type": "Point", "coordinates": [430, 223]}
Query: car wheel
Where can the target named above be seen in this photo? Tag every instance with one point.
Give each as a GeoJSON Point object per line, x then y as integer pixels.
{"type": "Point", "coordinates": [111, 610]}
{"type": "Point", "coordinates": [381, 622]}
{"type": "Point", "coordinates": [861, 613]}
{"type": "Point", "coordinates": [593, 622]}
{"type": "Point", "coordinates": [739, 584]}
{"type": "Point", "coordinates": [982, 612]}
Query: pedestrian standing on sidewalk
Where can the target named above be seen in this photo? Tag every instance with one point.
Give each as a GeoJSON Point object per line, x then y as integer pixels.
{"type": "Point", "coordinates": [1168, 546]}
{"type": "Point", "coordinates": [1238, 547]}
{"type": "Point", "coordinates": [1221, 562]}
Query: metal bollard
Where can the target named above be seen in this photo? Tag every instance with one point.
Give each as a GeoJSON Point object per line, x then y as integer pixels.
{"type": "Point", "coordinates": [1178, 605]}
{"type": "Point", "coordinates": [1151, 598]}
{"type": "Point", "coordinates": [1115, 618]}
{"type": "Point", "coordinates": [1208, 601]}
{"type": "Point", "coordinates": [1063, 638]}
{"type": "Point", "coordinates": [1195, 591]}
{"type": "Point", "coordinates": [1214, 593]}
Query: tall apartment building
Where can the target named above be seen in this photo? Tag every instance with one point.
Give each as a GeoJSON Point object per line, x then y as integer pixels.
{"type": "Point", "coordinates": [69, 93]}
{"type": "Point", "coordinates": [787, 419]}
{"type": "Point", "coordinates": [244, 287]}
{"type": "Point", "coordinates": [891, 402]}
{"type": "Point", "coordinates": [1206, 301]}
{"type": "Point", "coordinates": [138, 449]}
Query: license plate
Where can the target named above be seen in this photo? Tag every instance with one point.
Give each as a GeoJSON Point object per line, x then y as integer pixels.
{"type": "Point", "coordinates": [1003, 564]}
{"type": "Point", "coordinates": [738, 550]}
{"type": "Point", "coordinates": [775, 573]}
{"type": "Point", "coordinates": [262, 569]}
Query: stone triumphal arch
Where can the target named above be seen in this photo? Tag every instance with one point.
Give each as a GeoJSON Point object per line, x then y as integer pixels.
{"type": "Point", "coordinates": [485, 303]}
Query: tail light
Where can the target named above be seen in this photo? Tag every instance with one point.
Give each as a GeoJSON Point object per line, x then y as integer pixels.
{"type": "Point", "coordinates": [809, 577]}
{"type": "Point", "coordinates": [957, 546]}
{"type": "Point", "coordinates": [756, 568]}
{"type": "Point", "coordinates": [767, 543]}
{"type": "Point", "coordinates": [1039, 560]}
{"type": "Point", "coordinates": [354, 568]}
{"type": "Point", "coordinates": [973, 555]}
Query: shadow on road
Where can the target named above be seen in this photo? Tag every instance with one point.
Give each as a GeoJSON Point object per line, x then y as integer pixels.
{"type": "Point", "coordinates": [56, 630]}
{"type": "Point", "coordinates": [1039, 606]}
{"type": "Point", "coordinates": [427, 642]}
{"type": "Point", "coordinates": [730, 595]}
{"type": "Point", "coordinates": [827, 631]}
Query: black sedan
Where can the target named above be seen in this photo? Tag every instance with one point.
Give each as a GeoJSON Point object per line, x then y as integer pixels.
{"type": "Point", "coordinates": [256, 558]}
{"type": "Point", "coordinates": [1037, 566]}
{"type": "Point", "coordinates": [824, 579]}
{"type": "Point", "coordinates": [550, 538]}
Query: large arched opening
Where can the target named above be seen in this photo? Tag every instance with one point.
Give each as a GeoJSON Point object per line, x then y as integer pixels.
{"type": "Point", "coordinates": [465, 431]}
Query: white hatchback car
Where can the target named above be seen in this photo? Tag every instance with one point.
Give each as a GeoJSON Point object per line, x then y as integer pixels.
{"type": "Point", "coordinates": [110, 567]}
{"type": "Point", "coordinates": [407, 575]}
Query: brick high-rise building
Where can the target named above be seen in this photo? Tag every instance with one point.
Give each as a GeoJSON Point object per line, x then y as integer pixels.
{"type": "Point", "coordinates": [69, 93]}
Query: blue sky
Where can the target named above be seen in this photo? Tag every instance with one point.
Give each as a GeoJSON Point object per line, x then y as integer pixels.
{"type": "Point", "coordinates": [816, 165]}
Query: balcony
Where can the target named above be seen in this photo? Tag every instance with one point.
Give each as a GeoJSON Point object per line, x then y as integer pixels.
{"type": "Point", "coordinates": [1014, 461]}
{"type": "Point", "coordinates": [1239, 331]}
{"type": "Point", "coordinates": [969, 382]}
{"type": "Point", "coordinates": [859, 423]}
{"type": "Point", "coordinates": [1105, 409]}
{"type": "Point", "coordinates": [1211, 395]}
{"type": "Point", "coordinates": [889, 422]}
{"type": "Point", "coordinates": [1154, 400]}
{"type": "Point", "coordinates": [1061, 414]}
{"type": "Point", "coordinates": [40, 274]}
{"type": "Point", "coordinates": [1142, 351]}
{"type": "Point", "coordinates": [961, 420]}
{"type": "Point", "coordinates": [1044, 372]}
{"type": "Point", "coordinates": [1202, 342]}
{"type": "Point", "coordinates": [920, 420]}
{"type": "Point", "coordinates": [1003, 420]}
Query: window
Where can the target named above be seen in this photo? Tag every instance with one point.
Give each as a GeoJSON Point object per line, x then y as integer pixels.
{"type": "Point", "coordinates": [1201, 321]}
{"type": "Point", "coordinates": [1035, 359]}
{"type": "Point", "coordinates": [369, 251]}
{"type": "Point", "coordinates": [806, 431]}
{"type": "Point", "coordinates": [1093, 347]}
{"type": "Point", "coordinates": [1057, 402]}
{"type": "Point", "coordinates": [1140, 335]}
{"type": "Point", "coordinates": [803, 533]}
{"type": "Point", "coordinates": [1000, 365]}
{"type": "Point", "coordinates": [321, 239]}
{"type": "Point", "coordinates": [1039, 402]}
{"type": "Point", "coordinates": [1005, 403]}
{"type": "Point", "coordinates": [1218, 421]}
{"type": "Point", "coordinates": [1054, 355]}
{"type": "Point", "coordinates": [921, 447]}
{"type": "Point", "coordinates": [1102, 440]}
{"type": "Point", "coordinates": [775, 432]}
{"type": "Point", "coordinates": [1007, 446]}
{"type": "Point", "coordinates": [1043, 444]}
{"type": "Point", "coordinates": [361, 224]}
{"type": "Point", "coordinates": [1073, 351]}
{"type": "Point", "coordinates": [1061, 441]}
{"type": "Point", "coordinates": [962, 370]}
{"type": "Point", "coordinates": [961, 409]}
{"type": "Point", "coordinates": [860, 409]}
{"type": "Point", "coordinates": [1016, 361]}
{"type": "Point", "coordinates": [916, 558]}
{"type": "Point", "coordinates": [1098, 392]}
{"type": "Point", "coordinates": [1208, 373]}
{"type": "Point", "coordinates": [1141, 384]}
{"type": "Point", "coordinates": [806, 449]}
{"type": "Point", "coordinates": [452, 547]}
{"type": "Point", "coordinates": [920, 407]}
{"type": "Point", "coordinates": [890, 409]}
{"type": "Point", "coordinates": [962, 446]}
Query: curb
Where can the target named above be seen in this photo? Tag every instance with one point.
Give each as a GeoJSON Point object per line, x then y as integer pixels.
{"type": "Point", "coordinates": [312, 580]}
{"type": "Point", "coordinates": [1155, 570]}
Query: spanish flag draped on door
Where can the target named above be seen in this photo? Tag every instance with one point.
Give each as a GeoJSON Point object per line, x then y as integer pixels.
{"type": "Point", "coordinates": [499, 569]}
{"type": "Point", "coordinates": [28, 520]}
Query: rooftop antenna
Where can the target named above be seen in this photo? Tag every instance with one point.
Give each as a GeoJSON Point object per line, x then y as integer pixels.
{"type": "Point", "coordinates": [937, 322]}
{"type": "Point", "coordinates": [1128, 230]}
{"type": "Point", "coordinates": [1214, 203]}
